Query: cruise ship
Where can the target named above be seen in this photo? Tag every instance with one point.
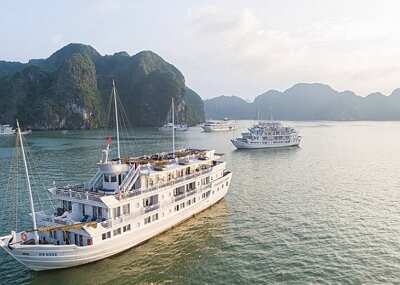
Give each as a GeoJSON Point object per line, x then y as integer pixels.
{"type": "Point", "coordinates": [219, 126]}
{"type": "Point", "coordinates": [269, 134]}
{"type": "Point", "coordinates": [128, 201]}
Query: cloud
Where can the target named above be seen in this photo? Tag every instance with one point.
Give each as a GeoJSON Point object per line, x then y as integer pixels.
{"type": "Point", "coordinates": [347, 53]}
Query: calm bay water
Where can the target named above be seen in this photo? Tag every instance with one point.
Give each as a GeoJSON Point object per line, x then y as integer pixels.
{"type": "Point", "coordinates": [327, 212]}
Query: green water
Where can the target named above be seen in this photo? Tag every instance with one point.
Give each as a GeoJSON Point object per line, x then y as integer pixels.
{"type": "Point", "coordinates": [327, 212]}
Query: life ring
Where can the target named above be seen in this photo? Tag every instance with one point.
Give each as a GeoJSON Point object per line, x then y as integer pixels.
{"type": "Point", "coordinates": [24, 236]}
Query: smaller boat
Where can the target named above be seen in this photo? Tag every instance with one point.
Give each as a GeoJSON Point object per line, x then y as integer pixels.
{"type": "Point", "coordinates": [219, 126]}
{"type": "Point", "coordinates": [177, 127]}
{"type": "Point", "coordinates": [6, 130]}
{"type": "Point", "coordinates": [180, 127]}
{"type": "Point", "coordinates": [269, 134]}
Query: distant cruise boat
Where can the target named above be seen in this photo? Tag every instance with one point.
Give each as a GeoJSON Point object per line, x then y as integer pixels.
{"type": "Point", "coordinates": [219, 126]}
{"type": "Point", "coordinates": [178, 127]}
{"type": "Point", "coordinates": [269, 134]}
{"type": "Point", "coordinates": [128, 201]}
{"type": "Point", "coordinates": [172, 125]}
{"type": "Point", "coordinates": [6, 130]}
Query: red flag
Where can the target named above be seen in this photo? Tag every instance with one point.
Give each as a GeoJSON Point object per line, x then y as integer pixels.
{"type": "Point", "coordinates": [109, 140]}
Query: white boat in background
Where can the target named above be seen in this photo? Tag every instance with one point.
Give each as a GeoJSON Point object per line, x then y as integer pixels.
{"type": "Point", "coordinates": [6, 130]}
{"type": "Point", "coordinates": [269, 134]}
{"type": "Point", "coordinates": [128, 201]}
{"type": "Point", "coordinates": [179, 127]}
{"type": "Point", "coordinates": [219, 126]}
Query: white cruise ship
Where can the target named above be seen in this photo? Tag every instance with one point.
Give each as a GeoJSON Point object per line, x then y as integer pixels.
{"type": "Point", "coordinates": [6, 130]}
{"type": "Point", "coordinates": [219, 126]}
{"type": "Point", "coordinates": [128, 201]}
{"type": "Point", "coordinates": [269, 134]}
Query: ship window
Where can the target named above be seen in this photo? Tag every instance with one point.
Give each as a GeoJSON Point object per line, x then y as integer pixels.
{"type": "Point", "coordinates": [147, 220]}
{"type": "Point", "coordinates": [154, 217]}
{"type": "Point", "coordinates": [109, 234]}
{"type": "Point", "coordinates": [150, 201]}
{"type": "Point", "coordinates": [194, 200]}
{"type": "Point", "coordinates": [117, 212]}
{"type": "Point", "coordinates": [180, 190]}
{"type": "Point", "coordinates": [191, 186]}
{"type": "Point", "coordinates": [227, 183]}
{"type": "Point", "coordinates": [106, 178]}
{"type": "Point", "coordinates": [83, 210]}
{"type": "Point", "coordinates": [117, 232]}
{"type": "Point", "coordinates": [103, 236]}
{"type": "Point", "coordinates": [183, 205]}
{"type": "Point", "coordinates": [189, 202]}
{"type": "Point", "coordinates": [176, 208]}
{"type": "Point", "coordinates": [187, 170]}
{"type": "Point", "coordinates": [113, 178]}
{"type": "Point", "coordinates": [126, 209]}
{"type": "Point", "coordinates": [127, 228]}
{"type": "Point", "coordinates": [119, 179]}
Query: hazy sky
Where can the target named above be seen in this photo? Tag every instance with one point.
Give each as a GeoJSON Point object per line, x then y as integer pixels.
{"type": "Point", "coordinates": [224, 47]}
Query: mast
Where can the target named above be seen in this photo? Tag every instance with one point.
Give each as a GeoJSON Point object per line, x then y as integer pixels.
{"type": "Point", "coordinates": [173, 127]}
{"type": "Point", "coordinates": [116, 120]}
{"type": "Point", "coordinates": [28, 181]}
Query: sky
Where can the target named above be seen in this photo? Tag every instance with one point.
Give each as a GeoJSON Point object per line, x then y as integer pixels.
{"type": "Point", "coordinates": [224, 47]}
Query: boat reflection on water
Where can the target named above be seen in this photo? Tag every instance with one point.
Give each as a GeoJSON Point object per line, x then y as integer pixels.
{"type": "Point", "coordinates": [174, 256]}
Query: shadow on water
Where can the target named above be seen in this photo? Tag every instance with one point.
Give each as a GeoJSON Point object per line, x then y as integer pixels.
{"type": "Point", "coordinates": [175, 256]}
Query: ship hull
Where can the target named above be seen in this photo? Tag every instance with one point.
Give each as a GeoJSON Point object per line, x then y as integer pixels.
{"type": "Point", "coordinates": [244, 145]}
{"type": "Point", "coordinates": [49, 257]}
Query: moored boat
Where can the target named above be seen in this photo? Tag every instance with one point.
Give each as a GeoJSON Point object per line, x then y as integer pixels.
{"type": "Point", "coordinates": [128, 201]}
{"type": "Point", "coordinates": [270, 134]}
{"type": "Point", "coordinates": [219, 126]}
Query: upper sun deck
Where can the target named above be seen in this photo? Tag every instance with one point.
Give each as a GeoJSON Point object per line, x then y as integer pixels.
{"type": "Point", "coordinates": [196, 162]}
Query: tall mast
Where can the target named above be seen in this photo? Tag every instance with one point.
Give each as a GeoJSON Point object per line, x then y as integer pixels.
{"type": "Point", "coordinates": [173, 127]}
{"type": "Point", "coordinates": [116, 119]}
{"type": "Point", "coordinates": [28, 181]}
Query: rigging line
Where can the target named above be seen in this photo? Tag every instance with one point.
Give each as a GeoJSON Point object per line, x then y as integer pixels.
{"type": "Point", "coordinates": [125, 126]}
{"type": "Point", "coordinates": [39, 181]}
{"type": "Point", "coordinates": [124, 123]}
{"type": "Point", "coordinates": [9, 191]}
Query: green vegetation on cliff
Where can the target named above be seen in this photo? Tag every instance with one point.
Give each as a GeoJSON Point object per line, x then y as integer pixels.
{"type": "Point", "coordinates": [71, 88]}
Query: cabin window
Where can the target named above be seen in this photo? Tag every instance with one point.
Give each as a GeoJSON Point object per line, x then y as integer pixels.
{"type": "Point", "coordinates": [189, 202]}
{"type": "Point", "coordinates": [154, 217]}
{"type": "Point", "coordinates": [83, 210]}
{"type": "Point", "coordinates": [119, 179]}
{"type": "Point", "coordinates": [150, 201]}
{"type": "Point", "coordinates": [183, 205]}
{"type": "Point", "coordinates": [117, 232]}
{"type": "Point", "coordinates": [187, 170]}
{"type": "Point", "coordinates": [126, 209]}
{"type": "Point", "coordinates": [117, 212]}
{"type": "Point", "coordinates": [147, 220]}
{"type": "Point", "coordinates": [176, 208]}
{"type": "Point", "coordinates": [113, 178]}
{"type": "Point", "coordinates": [126, 228]}
{"type": "Point", "coordinates": [194, 200]}
{"type": "Point", "coordinates": [191, 186]}
{"type": "Point", "coordinates": [104, 236]}
{"type": "Point", "coordinates": [178, 191]}
{"type": "Point", "coordinates": [106, 178]}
